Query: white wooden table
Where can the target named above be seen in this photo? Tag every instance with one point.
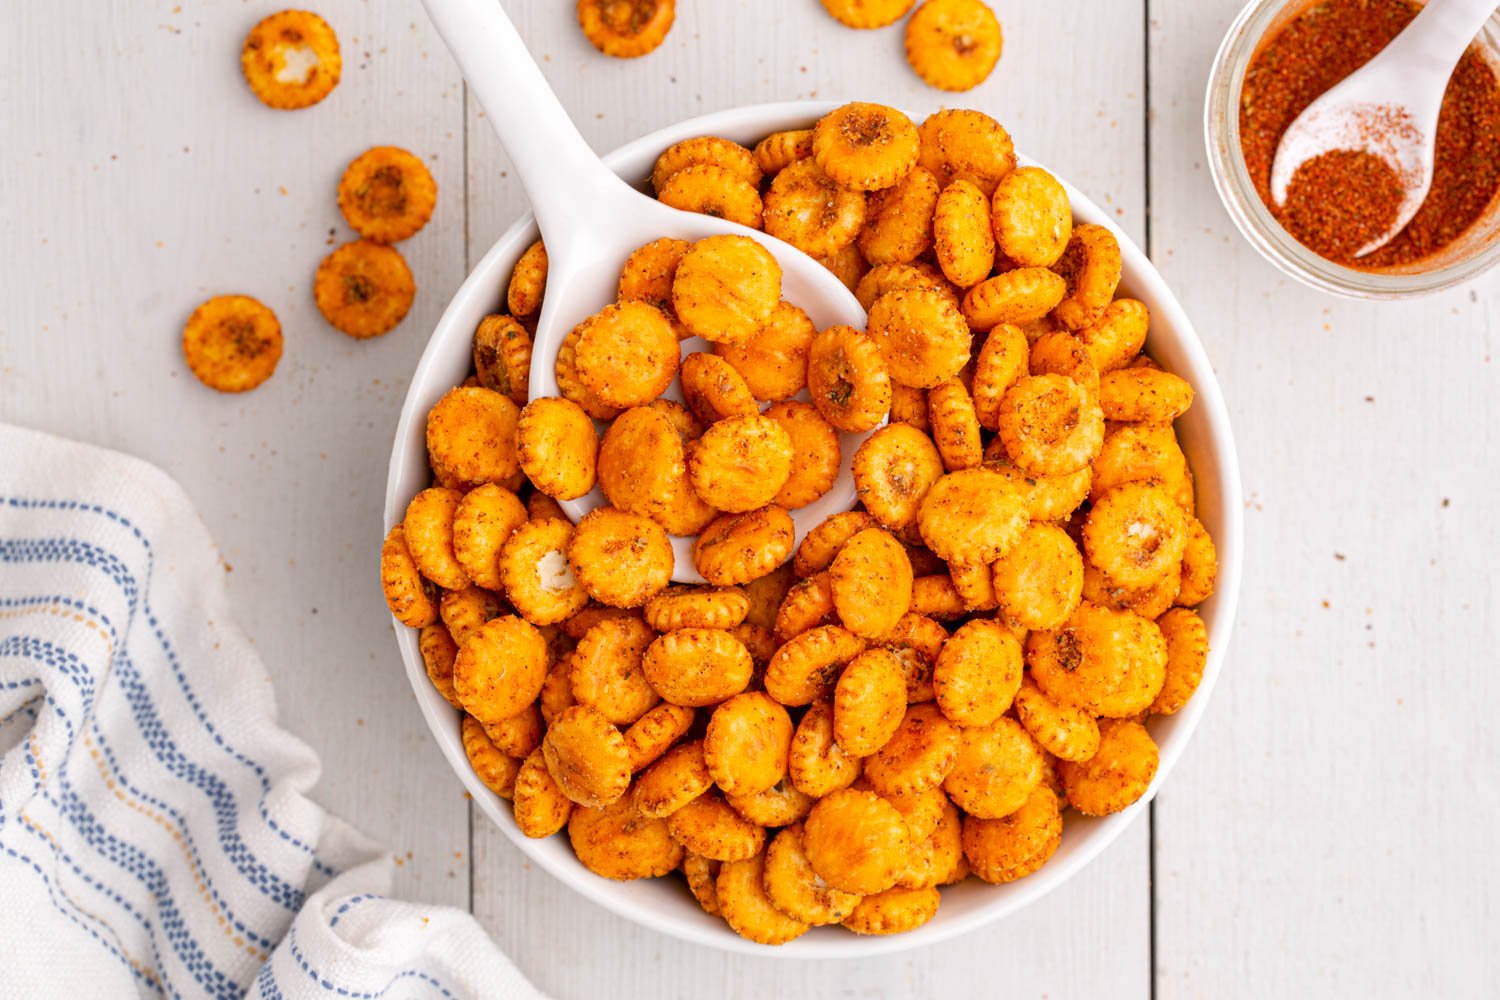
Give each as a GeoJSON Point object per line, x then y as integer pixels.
{"type": "Point", "coordinates": [1332, 831]}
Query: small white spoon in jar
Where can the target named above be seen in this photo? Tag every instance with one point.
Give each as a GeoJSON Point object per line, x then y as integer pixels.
{"type": "Point", "coordinates": [1388, 108]}
{"type": "Point", "coordinates": [591, 220]}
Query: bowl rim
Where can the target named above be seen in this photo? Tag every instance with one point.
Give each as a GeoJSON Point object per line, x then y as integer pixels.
{"type": "Point", "coordinates": [1167, 314]}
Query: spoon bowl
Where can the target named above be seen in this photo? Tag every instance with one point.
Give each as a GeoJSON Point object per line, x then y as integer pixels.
{"type": "Point", "coordinates": [591, 221]}
{"type": "Point", "coordinates": [581, 283]}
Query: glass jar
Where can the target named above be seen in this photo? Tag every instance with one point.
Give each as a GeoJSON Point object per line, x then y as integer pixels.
{"type": "Point", "coordinates": [1477, 250]}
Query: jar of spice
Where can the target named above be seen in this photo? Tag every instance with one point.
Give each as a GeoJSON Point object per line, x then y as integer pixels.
{"type": "Point", "coordinates": [1280, 55]}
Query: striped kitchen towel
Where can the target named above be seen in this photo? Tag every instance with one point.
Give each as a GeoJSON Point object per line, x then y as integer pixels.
{"type": "Point", "coordinates": [156, 835]}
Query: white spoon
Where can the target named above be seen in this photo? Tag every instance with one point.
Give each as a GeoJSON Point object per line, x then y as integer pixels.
{"type": "Point", "coordinates": [1388, 107]}
{"type": "Point", "coordinates": [591, 220]}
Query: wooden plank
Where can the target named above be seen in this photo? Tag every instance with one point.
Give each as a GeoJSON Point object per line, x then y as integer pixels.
{"type": "Point", "coordinates": [1092, 936]}
{"type": "Point", "coordinates": [144, 177]}
{"type": "Point", "coordinates": [1331, 831]}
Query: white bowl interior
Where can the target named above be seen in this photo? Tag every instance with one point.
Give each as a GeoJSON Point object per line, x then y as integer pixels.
{"type": "Point", "coordinates": [665, 904]}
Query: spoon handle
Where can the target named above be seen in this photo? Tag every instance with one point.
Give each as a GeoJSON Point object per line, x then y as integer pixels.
{"type": "Point", "coordinates": [563, 177]}
{"type": "Point", "coordinates": [1437, 37]}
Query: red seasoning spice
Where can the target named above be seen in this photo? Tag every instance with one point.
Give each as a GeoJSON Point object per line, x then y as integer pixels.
{"type": "Point", "coordinates": [1338, 202]}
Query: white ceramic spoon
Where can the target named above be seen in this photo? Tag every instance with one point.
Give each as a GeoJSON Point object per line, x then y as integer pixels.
{"type": "Point", "coordinates": [591, 220]}
{"type": "Point", "coordinates": [1388, 107]}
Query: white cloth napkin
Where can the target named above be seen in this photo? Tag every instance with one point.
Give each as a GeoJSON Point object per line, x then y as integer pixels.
{"type": "Point", "coordinates": [155, 831]}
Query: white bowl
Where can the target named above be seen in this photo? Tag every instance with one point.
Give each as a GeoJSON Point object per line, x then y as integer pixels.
{"type": "Point", "coordinates": [664, 904]}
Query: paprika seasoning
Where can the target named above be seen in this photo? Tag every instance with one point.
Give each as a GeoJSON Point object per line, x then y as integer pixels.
{"type": "Point", "coordinates": [1337, 202]}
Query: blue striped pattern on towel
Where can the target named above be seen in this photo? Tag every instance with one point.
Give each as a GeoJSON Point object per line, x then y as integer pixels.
{"type": "Point", "coordinates": [155, 831]}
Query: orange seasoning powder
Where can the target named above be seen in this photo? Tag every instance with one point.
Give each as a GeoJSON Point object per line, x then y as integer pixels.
{"type": "Point", "coordinates": [1339, 201]}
